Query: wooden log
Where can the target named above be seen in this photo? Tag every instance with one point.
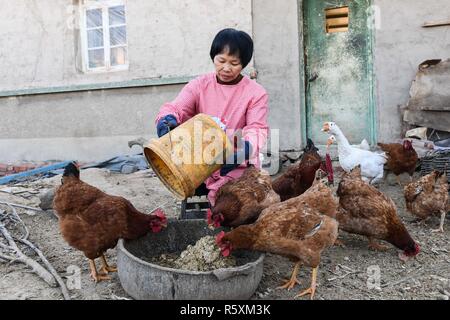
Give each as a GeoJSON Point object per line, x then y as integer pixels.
{"type": "Point", "coordinates": [436, 24]}
{"type": "Point", "coordinates": [431, 119]}
{"type": "Point", "coordinates": [21, 257]}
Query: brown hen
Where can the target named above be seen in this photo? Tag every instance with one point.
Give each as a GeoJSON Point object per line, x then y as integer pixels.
{"type": "Point", "coordinates": [93, 221]}
{"type": "Point", "coordinates": [366, 211]}
{"type": "Point", "coordinates": [428, 196]}
{"type": "Point", "coordinates": [292, 229]}
{"type": "Point", "coordinates": [319, 196]}
{"type": "Point", "coordinates": [401, 158]}
{"type": "Point", "coordinates": [241, 201]}
{"type": "Point", "coordinates": [298, 178]}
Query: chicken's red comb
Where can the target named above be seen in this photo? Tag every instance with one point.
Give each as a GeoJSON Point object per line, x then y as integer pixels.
{"type": "Point", "coordinates": [219, 237]}
{"type": "Point", "coordinates": [415, 252]}
{"type": "Point", "coordinates": [218, 219]}
{"type": "Point", "coordinates": [159, 213]}
{"type": "Point", "coordinates": [417, 248]}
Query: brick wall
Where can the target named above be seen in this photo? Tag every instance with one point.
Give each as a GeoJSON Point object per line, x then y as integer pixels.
{"type": "Point", "coordinates": [8, 169]}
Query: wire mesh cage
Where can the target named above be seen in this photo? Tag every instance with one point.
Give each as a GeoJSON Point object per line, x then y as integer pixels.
{"type": "Point", "coordinates": [436, 160]}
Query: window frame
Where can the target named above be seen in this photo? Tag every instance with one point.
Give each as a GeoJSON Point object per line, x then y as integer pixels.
{"type": "Point", "coordinates": [104, 5]}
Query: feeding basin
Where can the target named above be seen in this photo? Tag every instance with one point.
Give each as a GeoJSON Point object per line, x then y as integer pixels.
{"type": "Point", "coordinates": [144, 280]}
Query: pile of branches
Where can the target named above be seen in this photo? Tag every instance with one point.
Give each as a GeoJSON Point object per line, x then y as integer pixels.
{"type": "Point", "coordinates": [14, 246]}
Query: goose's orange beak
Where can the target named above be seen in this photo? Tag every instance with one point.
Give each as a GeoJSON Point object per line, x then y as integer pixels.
{"type": "Point", "coordinates": [329, 142]}
{"type": "Point", "coordinates": [326, 127]}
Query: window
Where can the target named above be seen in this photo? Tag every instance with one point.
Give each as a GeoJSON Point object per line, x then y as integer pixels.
{"type": "Point", "coordinates": [104, 35]}
{"type": "Point", "coordinates": [336, 19]}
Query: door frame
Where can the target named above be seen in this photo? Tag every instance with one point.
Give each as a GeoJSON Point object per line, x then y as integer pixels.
{"type": "Point", "coordinates": [302, 14]}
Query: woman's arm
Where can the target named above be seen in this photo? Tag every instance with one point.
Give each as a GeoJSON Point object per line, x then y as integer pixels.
{"type": "Point", "coordinates": [184, 105]}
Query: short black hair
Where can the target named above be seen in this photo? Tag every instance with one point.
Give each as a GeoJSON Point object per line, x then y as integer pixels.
{"type": "Point", "coordinates": [237, 42]}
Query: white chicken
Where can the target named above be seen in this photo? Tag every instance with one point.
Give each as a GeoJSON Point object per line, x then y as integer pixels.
{"type": "Point", "coordinates": [372, 164]}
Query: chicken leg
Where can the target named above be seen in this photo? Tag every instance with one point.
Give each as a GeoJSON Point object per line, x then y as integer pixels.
{"type": "Point", "coordinates": [293, 281]}
{"type": "Point", "coordinates": [94, 274]}
{"type": "Point", "coordinates": [311, 290]}
{"type": "Point", "coordinates": [339, 243]}
{"type": "Point", "coordinates": [398, 181]}
{"type": "Point", "coordinates": [105, 267]}
{"type": "Point", "coordinates": [441, 225]}
{"type": "Point", "coordinates": [420, 221]}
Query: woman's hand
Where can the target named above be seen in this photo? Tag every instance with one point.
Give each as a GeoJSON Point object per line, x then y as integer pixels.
{"type": "Point", "coordinates": [240, 156]}
{"type": "Point", "coordinates": [166, 124]}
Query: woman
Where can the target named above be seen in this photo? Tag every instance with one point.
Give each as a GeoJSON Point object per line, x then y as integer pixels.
{"type": "Point", "coordinates": [237, 100]}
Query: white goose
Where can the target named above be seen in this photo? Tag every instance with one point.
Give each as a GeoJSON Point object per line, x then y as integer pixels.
{"type": "Point", "coordinates": [372, 164]}
{"type": "Point", "coordinates": [363, 145]}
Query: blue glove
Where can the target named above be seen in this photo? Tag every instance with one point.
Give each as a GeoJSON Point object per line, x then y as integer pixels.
{"type": "Point", "coordinates": [167, 123]}
{"type": "Point", "coordinates": [233, 161]}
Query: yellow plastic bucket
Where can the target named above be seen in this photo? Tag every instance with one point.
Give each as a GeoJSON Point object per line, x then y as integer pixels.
{"type": "Point", "coordinates": [187, 155]}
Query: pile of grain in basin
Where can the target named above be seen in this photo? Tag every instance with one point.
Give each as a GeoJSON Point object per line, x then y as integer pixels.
{"type": "Point", "coordinates": [203, 256]}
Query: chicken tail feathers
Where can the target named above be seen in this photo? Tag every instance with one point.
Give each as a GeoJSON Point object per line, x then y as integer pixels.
{"type": "Point", "coordinates": [310, 146]}
{"type": "Point", "coordinates": [329, 167]}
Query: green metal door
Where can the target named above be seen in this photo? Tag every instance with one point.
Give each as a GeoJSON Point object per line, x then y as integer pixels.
{"type": "Point", "coordinates": [338, 68]}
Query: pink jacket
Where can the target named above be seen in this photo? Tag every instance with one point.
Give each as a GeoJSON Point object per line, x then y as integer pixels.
{"type": "Point", "coordinates": [241, 106]}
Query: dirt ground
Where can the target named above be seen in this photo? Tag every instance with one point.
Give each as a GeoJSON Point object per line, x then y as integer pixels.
{"type": "Point", "coordinates": [348, 272]}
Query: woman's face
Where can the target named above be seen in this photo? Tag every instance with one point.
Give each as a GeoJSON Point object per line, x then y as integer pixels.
{"type": "Point", "coordinates": [228, 67]}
